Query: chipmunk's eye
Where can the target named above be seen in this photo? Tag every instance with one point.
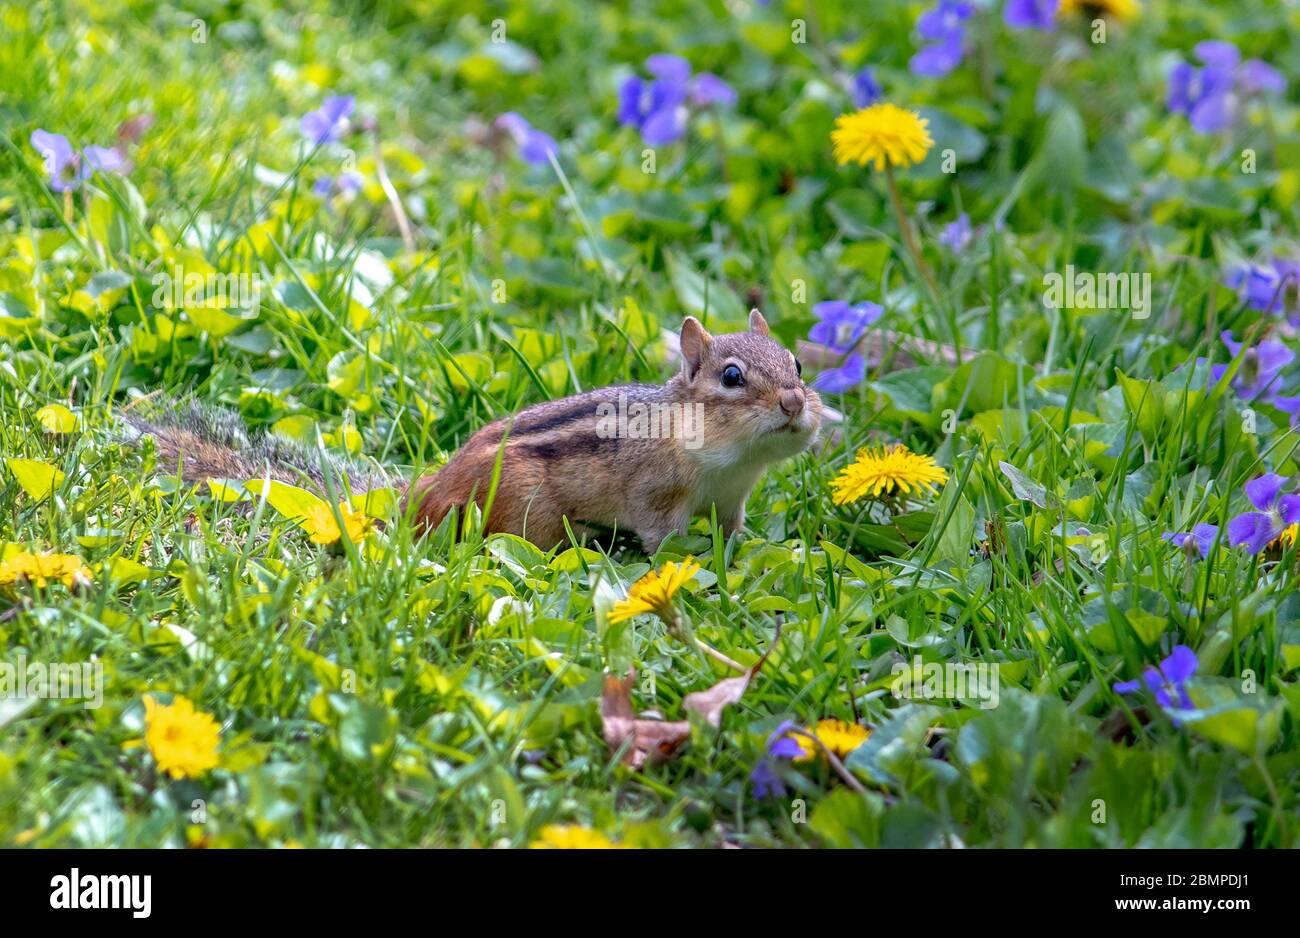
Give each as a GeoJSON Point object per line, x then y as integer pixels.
{"type": "Point", "coordinates": [798, 367]}
{"type": "Point", "coordinates": [731, 377]}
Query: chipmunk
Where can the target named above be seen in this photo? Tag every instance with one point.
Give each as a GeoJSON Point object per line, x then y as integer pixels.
{"type": "Point", "coordinates": [643, 457]}
{"type": "Point", "coordinates": [560, 461]}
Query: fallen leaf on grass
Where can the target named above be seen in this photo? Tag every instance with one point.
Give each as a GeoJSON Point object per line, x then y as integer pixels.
{"type": "Point", "coordinates": [710, 703]}
{"type": "Point", "coordinates": [658, 740]}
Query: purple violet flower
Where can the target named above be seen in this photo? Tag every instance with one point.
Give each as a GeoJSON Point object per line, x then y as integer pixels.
{"type": "Point", "coordinates": [1217, 53]}
{"type": "Point", "coordinates": [325, 124]}
{"type": "Point", "coordinates": [1030, 14]}
{"type": "Point", "coordinates": [957, 234]}
{"type": "Point", "coordinates": [1255, 530]}
{"type": "Point", "coordinates": [101, 160]}
{"type": "Point", "coordinates": [841, 325]}
{"type": "Point", "coordinates": [1169, 683]}
{"type": "Point", "coordinates": [671, 68]}
{"type": "Point", "coordinates": [847, 375]}
{"type": "Point", "coordinates": [707, 88]}
{"type": "Point", "coordinates": [345, 183]}
{"type": "Point", "coordinates": [781, 744]}
{"type": "Point", "coordinates": [535, 146]}
{"type": "Point", "coordinates": [67, 168]}
{"type": "Point", "coordinates": [767, 784]}
{"type": "Point", "coordinates": [866, 90]}
{"type": "Point", "coordinates": [944, 29]}
{"type": "Point", "coordinates": [659, 108]}
{"type": "Point", "coordinates": [1211, 96]}
{"type": "Point", "coordinates": [1201, 538]}
{"type": "Point", "coordinates": [1270, 288]}
{"type": "Point", "coordinates": [59, 159]}
{"type": "Point", "coordinates": [1289, 406]}
{"type": "Point", "coordinates": [1261, 367]}
{"type": "Point", "coordinates": [656, 108]}
{"type": "Point", "coordinates": [1258, 77]}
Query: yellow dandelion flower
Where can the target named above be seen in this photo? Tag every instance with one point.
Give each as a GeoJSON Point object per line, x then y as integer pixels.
{"type": "Point", "coordinates": [883, 134]}
{"type": "Point", "coordinates": [839, 736]}
{"type": "Point", "coordinates": [1120, 9]}
{"type": "Point", "coordinates": [323, 527]}
{"type": "Point", "coordinates": [889, 471]}
{"type": "Point", "coordinates": [43, 569]}
{"type": "Point", "coordinates": [654, 592]}
{"type": "Point", "coordinates": [183, 740]}
{"type": "Point", "coordinates": [571, 837]}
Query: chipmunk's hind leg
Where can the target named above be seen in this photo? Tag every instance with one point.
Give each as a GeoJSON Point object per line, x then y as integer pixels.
{"type": "Point", "coordinates": [520, 504]}
{"type": "Point", "coordinates": [535, 517]}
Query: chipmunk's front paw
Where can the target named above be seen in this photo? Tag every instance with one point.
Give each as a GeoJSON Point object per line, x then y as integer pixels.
{"type": "Point", "coordinates": [733, 524]}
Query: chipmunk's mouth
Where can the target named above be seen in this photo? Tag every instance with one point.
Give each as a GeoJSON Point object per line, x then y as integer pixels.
{"type": "Point", "coordinates": [795, 425]}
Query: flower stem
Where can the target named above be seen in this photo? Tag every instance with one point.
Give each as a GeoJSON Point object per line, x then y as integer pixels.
{"type": "Point", "coordinates": [677, 628]}
{"type": "Point", "coordinates": [905, 226]}
{"type": "Point", "coordinates": [394, 200]}
{"type": "Point", "coordinates": [721, 143]}
{"type": "Point", "coordinates": [840, 769]}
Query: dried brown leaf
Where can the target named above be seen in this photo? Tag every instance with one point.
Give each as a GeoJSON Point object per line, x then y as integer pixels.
{"type": "Point", "coordinates": [652, 739]}
{"type": "Point", "coordinates": [710, 703]}
{"type": "Point", "coordinates": [657, 740]}
{"type": "Point", "coordinates": [131, 130]}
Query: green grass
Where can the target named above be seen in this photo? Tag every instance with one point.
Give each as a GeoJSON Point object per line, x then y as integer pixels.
{"type": "Point", "coordinates": [440, 691]}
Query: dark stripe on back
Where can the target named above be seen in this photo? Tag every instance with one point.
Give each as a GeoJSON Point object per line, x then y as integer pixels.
{"type": "Point", "coordinates": [579, 444]}
{"type": "Point", "coordinates": [551, 419]}
{"type": "Point", "coordinates": [557, 414]}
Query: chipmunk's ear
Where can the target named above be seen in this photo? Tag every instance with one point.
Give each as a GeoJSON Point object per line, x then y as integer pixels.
{"type": "Point", "coordinates": [694, 342]}
{"type": "Point", "coordinates": [757, 323]}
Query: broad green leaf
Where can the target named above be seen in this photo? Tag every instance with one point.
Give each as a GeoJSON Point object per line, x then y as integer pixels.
{"type": "Point", "coordinates": [99, 537]}
{"type": "Point", "coordinates": [469, 366]}
{"type": "Point", "coordinates": [1247, 724]}
{"type": "Point", "coordinates": [298, 427]}
{"type": "Point", "coordinates": [227, 490]}
{"type": "Point", "coordinates": [711, 301]}
{"type": "Point", "coordinates": [289, 500]}
{"type": "Point", "coordinates": [16, 318]}
{"type": "Point", "coordinates": [56, 418]}
{"type": "Point", "coordinates": [1024, 487]}
{"type": "Point", "coordinates": [883, 759]}
{"type": "Point", "coordinates": [378, 503]}
{"type": "Point", "coordinates": [211, 317]}
{"type": "Point", "coordinates": [345, 371]}
{"type": "Point", "coordinates": [125, 571]}
{"type": "Point", "coordinates": [959, 535]}
{"type": "Point", "coordinates": [38, 479]}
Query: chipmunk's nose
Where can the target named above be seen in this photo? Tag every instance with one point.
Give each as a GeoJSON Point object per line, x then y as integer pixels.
{"type": "Point", "coordinates": [792, 401]}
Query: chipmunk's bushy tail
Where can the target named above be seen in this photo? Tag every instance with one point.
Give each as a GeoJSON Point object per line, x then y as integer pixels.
{"type": "Point", "coordinates": [207, 442]}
